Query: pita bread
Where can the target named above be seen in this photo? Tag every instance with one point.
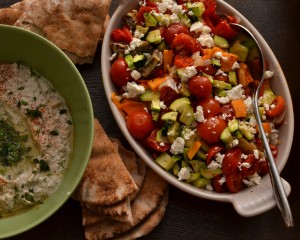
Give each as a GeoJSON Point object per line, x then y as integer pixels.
{"type": "Point", "coordinates": [97, 186]}
{"type": "Point", "coordinates": [120, 211]}
{"type": "Point", "coordinates": [9, 16]}
{"type": "Point", "coordinates": [75, 26]}
{"type": "Point", "coordinates": [149, 197]}
{"type": "Point", "coordinates": [146, 226]}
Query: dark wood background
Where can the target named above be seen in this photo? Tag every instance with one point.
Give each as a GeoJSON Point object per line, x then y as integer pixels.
{"type": "Point", "coordinates": [188, 217]}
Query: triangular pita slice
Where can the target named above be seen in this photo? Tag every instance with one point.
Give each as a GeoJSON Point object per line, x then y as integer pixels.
{"type": "Point", "coordinates": [149, 197]}
{"type": "Point", "coordinates": [106, 180]}
{"type": "Point", "coordinates": [146, 226]}
{"type": "Point", "coordinates": [73, 25]}
{"type": "Point", "coordinates": [9, 16]}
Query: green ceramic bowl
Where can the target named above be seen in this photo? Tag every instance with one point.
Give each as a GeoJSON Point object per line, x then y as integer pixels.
{"type": "Point", "coordinates": [49, 61]}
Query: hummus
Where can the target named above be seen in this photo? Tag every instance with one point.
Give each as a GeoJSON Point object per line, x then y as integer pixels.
{"type": "Point", "coordinates": [35, 138]}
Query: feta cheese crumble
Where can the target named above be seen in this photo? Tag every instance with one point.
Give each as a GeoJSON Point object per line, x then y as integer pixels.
{"type": "Point", "coordinates": [177, 146]}
{"type": "Point", "coordinates": [133, 90]}
{"type": "Point", "coordinates": [184, 173]}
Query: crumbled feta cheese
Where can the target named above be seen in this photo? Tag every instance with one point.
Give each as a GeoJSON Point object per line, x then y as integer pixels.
{"type": "Point", "coordinates": [199, 115]}
{"type": "Point", "coordinates": [187, 133]}
{"type": "Point", "coordinates": [268, 74]}
{"type": "Point", "coordinates": [245, 165]}
{"type": "Point", "coordinates": [218, 55]}
{"type": "Point", "coordinates": [219, 71]}
{"type": "Point", "coordinates": [256, 153]}
{"type": "Point", "coordinates": [184, 173]}
{"type": "Point", "coordinates": [138, 34]}
{"type": "Point", "coordinates": [135, 74]}
{"type": "Point", "coordinates": [188, 73]}
{"type": "Point", "coordinates": [113, 57]}
{"type": "Point", "coordinates": [135, 42]}
{"type": "Point", "coordinates": [196, 27]}
{"type": "Point", "coordinates": [249, 104]}
{"type": "Point", "coordinates": [234, 142]}
{"type": "Point", "coordinates": [219, 158]}
{"type": "Point", "coordinates": [133, 90]}
{"type": "Point", "coordinates": [235, 66]}
{"type": "Point", "coordinates": [222, 100]}
{"type": "Point", "coordinates": [222, 180]}
{"type": "Point", "coordinates": [214, 165]}
{"type": "Point", "coordinates": [254, 179]}
{"type": "Point", "coordinates": [177, 146]}
{"type": "Point", "coordinates": [162, 105]}
{"type": "Point", "coordinates": [209, 187]}
{"type": "Point", "coordinates": [174, 18]}
{"type": "Point", "coordinates": [206, 30]}
{"type": "Point", "coordinates": [206, 40]}
{"type": "Point", "coordinates": [236, 92]}
{"type": "Point", "coordinates": [171, 83]}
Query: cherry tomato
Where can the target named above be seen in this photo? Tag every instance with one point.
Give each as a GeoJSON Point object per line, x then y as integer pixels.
{"type": "Point", "coordinates": [200, 86]}
{"type": "Point", "coordinates": [121, 35]}
{"type": "Point", "coordinates": [211, 129]}
{"type": "Point", "coordinates": [172, 30]}
{"type": "Point", "coordinates": [216, 184]}
{"type": "Point", "coordinates": [263, 168]}
{"type": "Point", "coordinates": [168, 95]}
{"type": "Point", "coordinates": [119, 73]}
{"type": "Point", "coordinates": [227, 112]}
{"type": "Point", "coordinates": [209, 69]}
{"type": "Point", "coordinates": [140, 124]}
{"type": "Point", "coordinates": [182, 61]}
{"type": "Point", "coordinates": [210, 106]}
{"type": "Point", "coordinates": [278, 108]}
{"type": "Point", "coordinates": [221, 77]}
{"type": "Point", "coordinates": [245, 170]}
{"type": "Point", "coordinates": [255, 165]}
{"type": "Point", "coordinates": [184, 43]}
{"type": "Point", "coordinates": [274, 150]}
{"type": "Point", "coordinates": [234, 181]}
{"type": "Point", "coordinates": [211, 153]}
{"type": "Point", "coordinates": [223, 29]}
{"type": "Point", "coordinates": [151, 140]}
{"type": "Point", "coordinates": [231, 160]}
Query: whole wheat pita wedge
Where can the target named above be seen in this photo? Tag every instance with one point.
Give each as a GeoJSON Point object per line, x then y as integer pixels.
{"type": "Point", "coordinates": [73, 25]}
{"type": "Point", "coordinates": [151, 194]}
{"type": "Point", "coordinates": [147, 225]}
{"type": "Point", "coordinates": [9, 16]}
{"type": "Point", "coordinates": [120, 211]}
{"type": "Point", "coordinates": [22, 5]}
{"type": "Point", "coordinates": [103, 30]}
{"type": "Point", "coordinates": [106, 180]}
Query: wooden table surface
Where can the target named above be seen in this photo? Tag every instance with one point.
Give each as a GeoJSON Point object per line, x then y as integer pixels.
{"type": "Point", "coordinates": [188, 217]}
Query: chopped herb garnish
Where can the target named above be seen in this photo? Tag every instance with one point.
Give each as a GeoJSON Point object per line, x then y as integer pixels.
{"type": "Point", "coordinates": [34, 99]}
{"type": "Point", "coordinates": [10, 93]}
{"type": "Point", "coordinates": [21, 88]}
{"type": "Point", "coordinates": [61, 164]}
{"type": "Point", "coordinates": [29, 197]}
{"type": "Point", "coordinates": [62, 111]}
{"type": "Point", "coordinates": [33, 113]}
{"type": "Point", "coordinates": [54, 132]}
{"type": "Point", "coordinates": [69, 122]}
{"type": "Point", "coordinates": [24, 103]}
{"type": "Point", "coordinates": [44, 166]}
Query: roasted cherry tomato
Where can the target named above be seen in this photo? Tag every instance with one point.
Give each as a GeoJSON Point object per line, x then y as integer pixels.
{"type": "Point", "coordinates": [234, 181]}
{"type": "Point", "coordinates": [210, 106]}
{"type": "Point", "coordinates": [200, 86]}
{"type": "Point", "coordinates": [221, 77]}
{"type": "Point", "coordinates": [184, 43]}
{"type": "Point", "coordinates": [227, 112]}
{"type": "Point", "coordinates": [231, 160]}
{"type": "Point", "coordinates": [172, 30]}
{"type": "Point", "coordinates": [276, 107]}
{"type": "Point", "coordinates": [155, 145]}
{"type": "Point", "coordinates": [121, 35]}
{"type": "Point", "coordinates": [218, 187]}
{"type": "Point", "coordinates": [211, 129]}
{"type": "Point", "coordinates": [168, 95]}
{"type": "Point", "coordinates": [140, 124]}
{"type": "Point", "coordinates": [223, 29]}
{"type": "Point", "coordinates": [211, 153]}
{"type": "Point", "coordinates": [182, 61]}
{"type": "Point", "coordinates": [209, 69]}
{"type": "Point", "coordinates": [119, 73]}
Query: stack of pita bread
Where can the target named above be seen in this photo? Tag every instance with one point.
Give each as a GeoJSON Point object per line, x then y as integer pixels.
{"type": "Point", "coordinates": [121, 197]}
{"type": "Point", "coordinates": [75, 26]}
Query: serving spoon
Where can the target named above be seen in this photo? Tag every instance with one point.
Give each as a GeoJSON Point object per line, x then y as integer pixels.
{"type": "Point", "coordinates": [279, 192]}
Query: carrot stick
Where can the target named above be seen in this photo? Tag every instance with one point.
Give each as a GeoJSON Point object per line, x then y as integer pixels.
{"type": "Point", "coordinates": [239, 108]}
{"type": "Point", "coordinates": [116, 101]}
{"type": "Point", "coordinates": [194, 149]}
{"type": "Point", "coordinates": [227, 61]}
{"type": "Point", "coordinates": [244, 75]}
{"type": "Point", "coordinates": [154, 83]}
{"type": "Point", "coordinates": [168, 60]}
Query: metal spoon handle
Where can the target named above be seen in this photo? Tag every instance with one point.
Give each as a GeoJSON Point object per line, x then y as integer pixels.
{"type": "Point", "coordinates": [280, 194]}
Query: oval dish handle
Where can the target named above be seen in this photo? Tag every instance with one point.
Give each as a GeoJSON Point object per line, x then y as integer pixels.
{"type": "Point", "coordinates": [259, 200]}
